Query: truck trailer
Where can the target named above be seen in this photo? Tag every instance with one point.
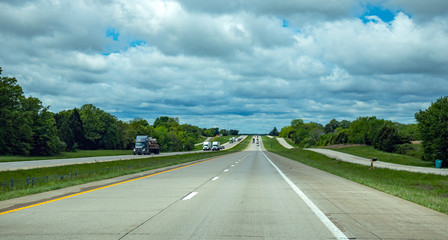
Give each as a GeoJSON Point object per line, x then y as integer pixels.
{"type": "Point", "coordinates": [146, 145]}
{"type": "Point", "coordinates": [216, 146]}
{"type": "Point", "coordinates": [206, 146]}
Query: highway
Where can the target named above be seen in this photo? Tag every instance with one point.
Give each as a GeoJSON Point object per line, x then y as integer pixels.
{"type": "Point", "coordinates": [20, 165]}
{"type": "Point", "coordinates": [247, 195]}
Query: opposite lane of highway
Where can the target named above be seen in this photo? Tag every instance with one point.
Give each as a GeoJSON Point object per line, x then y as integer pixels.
{"type": "Point", "coordinates": [20, 165]}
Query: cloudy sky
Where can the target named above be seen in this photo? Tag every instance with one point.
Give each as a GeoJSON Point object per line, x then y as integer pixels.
{"type": "Point", "coordinates": [244, 64]}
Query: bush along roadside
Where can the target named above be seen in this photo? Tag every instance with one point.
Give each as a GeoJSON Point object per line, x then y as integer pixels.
{"type": "Point", "coordinates": [428, 190]}
{"type": "Point", "coordinates": [25, 182]}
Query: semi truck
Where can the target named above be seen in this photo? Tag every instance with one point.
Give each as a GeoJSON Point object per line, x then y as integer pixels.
{"type": "Point", "coordinates": [146, 145]}
{"type": "Point", "coordinates": [206, 146]}
{"type": "Point", "coordinates": [216, 146]}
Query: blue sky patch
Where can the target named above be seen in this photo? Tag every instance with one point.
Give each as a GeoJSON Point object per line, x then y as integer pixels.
{"type": "Point", "coordinates": [112, 32]}
{"type": "Point", "coordinates": [136, 43]}
{"type": "Point", "coordinates": [384, 14]}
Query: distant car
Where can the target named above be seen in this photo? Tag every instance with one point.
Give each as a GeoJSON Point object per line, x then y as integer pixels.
{"type": "Point", "coordinates": [222, 147]}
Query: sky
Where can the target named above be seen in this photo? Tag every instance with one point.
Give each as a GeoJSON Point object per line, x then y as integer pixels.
{"type": "Point", "coordinates": [240, 64]}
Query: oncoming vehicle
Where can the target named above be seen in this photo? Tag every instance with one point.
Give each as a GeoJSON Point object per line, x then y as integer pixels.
{"type": "Point", "coordinates": [206, 146]}
{"type": "Point", "coordinates": [146, 145]}
{"type": "Point", "coordinates": [216, 146]}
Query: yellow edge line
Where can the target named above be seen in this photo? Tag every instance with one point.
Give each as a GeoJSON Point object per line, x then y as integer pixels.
{"type": "Point", "coordinates": [111, 185]}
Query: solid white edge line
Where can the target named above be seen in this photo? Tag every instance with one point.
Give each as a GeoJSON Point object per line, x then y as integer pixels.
{"type": "Point", "coordinates": [323, 218]}
{"type": "Point", "coordinates": [189, 196]}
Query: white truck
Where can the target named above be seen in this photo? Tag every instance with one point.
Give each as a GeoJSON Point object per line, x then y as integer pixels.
{"type": "Point", "coordinates": [216, 146]}
{"type": "Point", "coordinates": [206, 146]}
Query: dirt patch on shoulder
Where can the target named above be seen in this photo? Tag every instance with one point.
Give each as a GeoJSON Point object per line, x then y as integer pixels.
{"type": "Point", "coordinates": [337, 146]}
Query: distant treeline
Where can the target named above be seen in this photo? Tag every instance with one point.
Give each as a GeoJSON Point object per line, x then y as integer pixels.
{"type": "Point", "coordinates": [29, 128]}
{"type": "Point", "coordinates": [385, 135]}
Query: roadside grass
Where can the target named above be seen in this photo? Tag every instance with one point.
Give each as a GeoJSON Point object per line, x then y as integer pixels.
{"type": "Point", "coordinates": [77, 154]}
{"type": "Point", "coordinates": [224, 139]}
{"type": "Point", "coordinates": [428, 190]}
{"type": "Point", "coordinates": [198, 147]}
{"type": "Point", "coordinates": [370, 152]}
{"type": "Point", "coordinates": [70, 175]}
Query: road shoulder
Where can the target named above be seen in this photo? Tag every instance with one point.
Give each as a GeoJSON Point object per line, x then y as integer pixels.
{"type": "Point", "coordinates": [362, 212]}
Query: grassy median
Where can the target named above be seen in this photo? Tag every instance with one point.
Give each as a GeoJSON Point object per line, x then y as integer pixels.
{"type": "Point", "coordinates": [428, 190]}
{"type": "Point", "coordinates": [25, 182]}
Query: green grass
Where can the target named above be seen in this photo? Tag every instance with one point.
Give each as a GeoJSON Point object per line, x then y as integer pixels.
{"type": "Point", "coordinates": [83, 173]}
{"type": "Point", "coordinates": [224, 139]}
{"type": "Point", "coordinates": [77, 154]}
{"type": "Point", "coordinates": [370, 152]}
{"type": "Point", "coordinates": [198, 147]}
{"type": "Point", "coordinates": [425, 189]}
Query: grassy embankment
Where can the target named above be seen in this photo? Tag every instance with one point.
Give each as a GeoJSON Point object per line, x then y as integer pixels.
{"type": "Point", "coordinates": [82, 173]}
{"type": "Point", "coordinates": [425, 189]}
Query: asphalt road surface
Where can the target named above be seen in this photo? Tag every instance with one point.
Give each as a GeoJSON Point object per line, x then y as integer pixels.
{"type": "Point", "coordinates": [246, 195]}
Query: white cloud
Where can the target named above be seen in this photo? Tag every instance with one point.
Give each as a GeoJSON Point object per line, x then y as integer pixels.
{"type": "Point", "coordinates": [208, 63]}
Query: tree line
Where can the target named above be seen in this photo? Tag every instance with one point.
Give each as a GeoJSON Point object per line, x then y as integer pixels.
{"type": "Point", "coordinates": [29, 128]}
{"type": "Point", "coordinates": [385, 135]}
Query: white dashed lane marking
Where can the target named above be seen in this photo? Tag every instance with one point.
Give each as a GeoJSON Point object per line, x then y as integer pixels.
{"type": "Point", "coordinates": [190, 196]}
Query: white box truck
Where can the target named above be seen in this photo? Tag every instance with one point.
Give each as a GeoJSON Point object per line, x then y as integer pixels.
{"type": "Point", "coordinates": [216, 146]}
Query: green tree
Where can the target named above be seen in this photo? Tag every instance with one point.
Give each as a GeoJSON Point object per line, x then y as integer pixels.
{"type": "Point", "coordinates": [100, 128]}
{"type": "Point", "coordinates": [16, 133]}
{"type": "Point", "coordinates": [163, 138]}
{"type": "Point", "coordinates": [64, 130]}
{"type": "Point", "coordinates": [364, 129]}
{"type": "Point", "coordinates": [70, 129]}
{"type": "Point", "coordinates": [45, 135]}
{"type": "Point", "coordinates": [233, 132]}
{"type": "Point", "coordinates": [77, 129]}
{"type": "Point", "coordinates": [340, 137]}
{"type": "Point", "coordinates": [287, 132]}
{"type": "Point", "coordinates": [344, 124]}
{"type": "Point", "coordinates": [224, 132]}
{"type": "Point", "coordinates": [110, 138]}
{"type": "Point", "coordinates": [167, 122]}
{"type": "Point", "coordinates": [274, 132]}
{"type": "Point", "coordinates": [92, 125]}
{"type": "Point", "coordinates": [409, 130]}
{"type": "Point", "coordinates": [388, 138]}
{"type": "Point", "coordinates": [331, 126]}
{"type": "Point", "coordinates": [211, 132]}
{"type": "Point", "coordinates": [433, 128]}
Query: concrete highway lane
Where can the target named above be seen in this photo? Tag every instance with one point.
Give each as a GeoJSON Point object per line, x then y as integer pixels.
{"type": "Point", "coordinates": [239, 196]}
{"type": "Point", "coordinates": [246, 195]}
